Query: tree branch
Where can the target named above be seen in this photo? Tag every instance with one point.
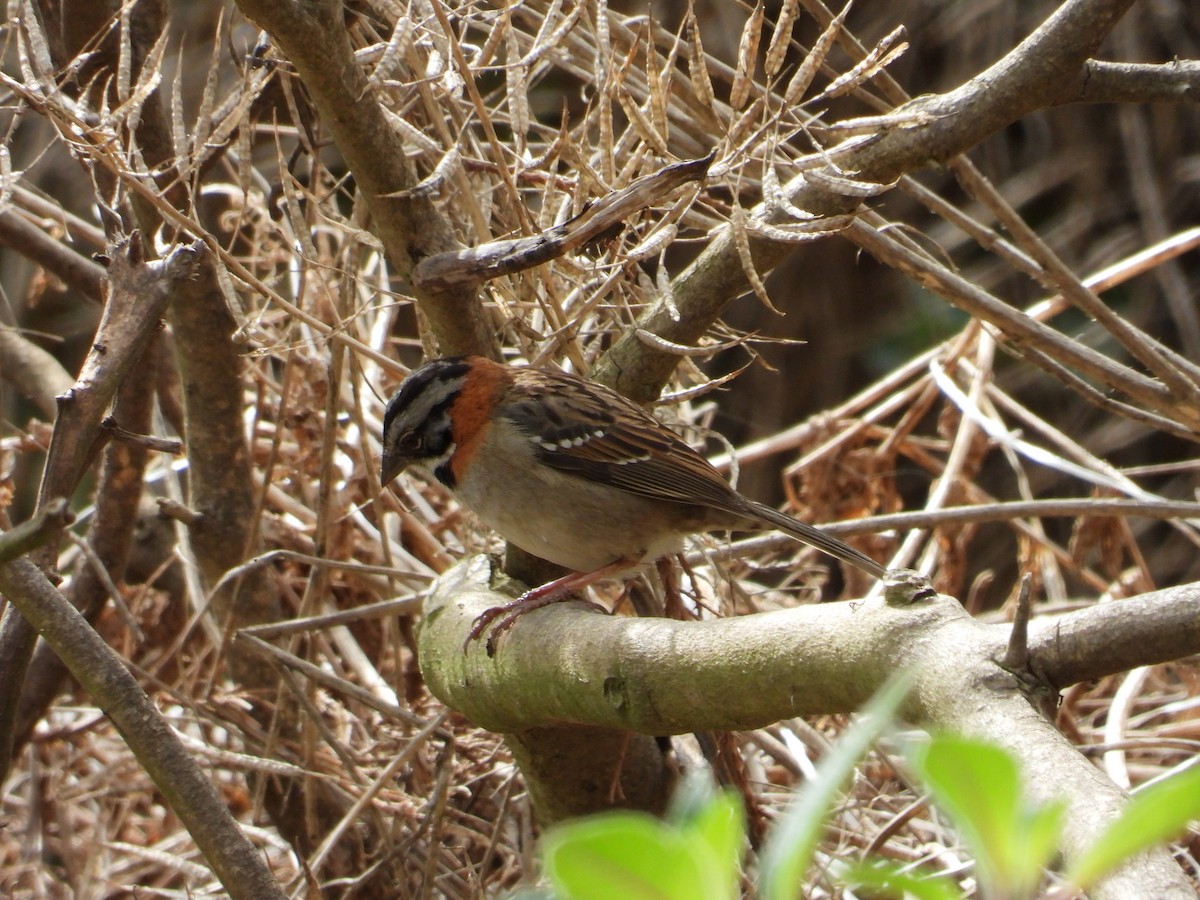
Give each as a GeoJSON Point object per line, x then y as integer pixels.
{"type": "Point", "coordinates": [474, 265]}
{"type": "Point", "coordinates": [52, 518]}
{"type": "Point", "coordinates": [33, 243]}
{"type": "Point", "coordinates": [225, 530]}
{"type": "Point", "coordinates": [187, 791]}
{"type": "Point", "coordinates": [1115, 637]}
{"type": "Point", "coordinates": [118, 496]}
{"type": "Point", "coordinates": [1023, 331]}
{"type": "Point", "coordinates": [138, 292]}
{"type": "Point", "coordinates": [1046, 69]}
{"type": "Point", "coordinates": [568, 665]}
{"type": "Point", "coordinates": [33, 371]}
{"type": "Point", "coordinates": [1177, 81]}
{"type": "Point", "coordinates": [314, 38]}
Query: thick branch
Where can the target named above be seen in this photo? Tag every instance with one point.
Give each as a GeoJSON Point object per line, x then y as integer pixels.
{"type": "Point", "coordinates": [137, 299]}
{"type": "Point", "coordinates": [566, 665]}
{"type": "Point", "coordinates": [1114, 637]}
{"type": "Point", "coordinates": [838, 653]}
{"type": "Point", "coordinates": [224, 524]}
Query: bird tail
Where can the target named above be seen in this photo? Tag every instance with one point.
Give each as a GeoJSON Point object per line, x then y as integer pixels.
{"type": "Point", "coordinates": [814, 537]}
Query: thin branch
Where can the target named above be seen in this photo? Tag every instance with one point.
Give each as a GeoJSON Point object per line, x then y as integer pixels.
{"type": "Point", "coordinates": [491, 260]}
{"type": "Point", "coordinates": [1046, 69]}
{"type": "Point", "coordinates": [1180, 377]}
{"type": "Point", "coordinates": [189, 792]}
{"type": "Point", "coordinates": [145, 441]}
{"type": "Point", "coordinates": [1016, 509]}
{"type": "Point", "coordinates": [1177, 81]}
{"type": "Point", "coordinates": [29, 240]}
{"type": "Point", "coordinates": [1021, 330]}
{"type": "Point", "coordinates": [51, 519]}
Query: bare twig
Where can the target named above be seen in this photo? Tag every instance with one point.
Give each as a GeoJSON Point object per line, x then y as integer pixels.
{"type": "Point", "coordinates": [52, 518]}
{"type": "Point", "coordinates": [1023, 331]}
{"type": "Point", "coordinates": [1016, 657]}
{"type": "Point", "coordinates": [476, 264]}
{"type": "Point", "coordinates": [188, 791]}
{"type": "Point", "coordinates": [145, 441]}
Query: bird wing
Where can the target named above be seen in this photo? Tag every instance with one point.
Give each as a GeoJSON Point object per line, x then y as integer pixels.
{"type": "Point", "coordinates": [593, 432]}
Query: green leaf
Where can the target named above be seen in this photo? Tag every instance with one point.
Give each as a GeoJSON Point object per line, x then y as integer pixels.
{"type": "Point", "coordinates": [720, 827]}
{"type": "Point", "coordinates": [890, 879]}
{"type": "Point", "coordinates": [715, 819]}
{"type": "Point", "coordinates": [979, 786]}
{"type": "Point", "coordinates": [1038, 840]}
{"type": "Point", "coordinates": [629, 855]}
{"type": "Point", "coordinates": [1154, 815]}
{"type": "Point", "coordinates": [788, 850]}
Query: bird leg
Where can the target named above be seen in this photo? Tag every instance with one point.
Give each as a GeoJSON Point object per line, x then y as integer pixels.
{"type": "Point", "coordinates": [550, 592]}
{"type": "Point", "coordinates": [673, 606]}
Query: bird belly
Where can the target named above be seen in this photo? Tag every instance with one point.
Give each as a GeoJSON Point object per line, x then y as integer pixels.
{"type": "Point", "coordinates": [566, 519]}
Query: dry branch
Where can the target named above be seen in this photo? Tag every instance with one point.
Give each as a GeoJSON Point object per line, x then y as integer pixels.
{"type": "Point", "coordinates": [32, 370]}
{"type": "Point", "coordinates": [1048, 68]}
{"type": "Point", "coordinates": [474, 265]}
{"type": "Point", "coordinates": [138, 294]}
{"type": "Point", "coordinates": [314, 39]}
{"type": "Point", "coordinates": [52, 518]}
{"type": "Point", "coordinates": [188, 791]}
{"type": "Point", "coordinates": [1108, 82]}
{"type": "Point", "coordinates": [29, 240]}
{"type": "Point", "coordinates": [1102, 640]}
{"type": "Point", "coordinates": [118, 501]}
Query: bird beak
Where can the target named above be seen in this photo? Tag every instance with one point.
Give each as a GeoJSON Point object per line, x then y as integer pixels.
{"type": "Point", "coordinates": [389, 468]}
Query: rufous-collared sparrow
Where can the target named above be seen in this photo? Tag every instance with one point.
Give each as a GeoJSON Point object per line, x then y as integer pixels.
{"type": "Point", "coordinates": [569, 471]}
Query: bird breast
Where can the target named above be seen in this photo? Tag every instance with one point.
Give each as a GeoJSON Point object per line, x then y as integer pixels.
{"type": "Point", "coordinates": [559, 516]}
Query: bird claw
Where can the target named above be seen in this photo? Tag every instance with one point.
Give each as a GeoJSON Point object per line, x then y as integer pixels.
{"type": "Point", "coordinates": [506, 616]}
{"type": "Point", "coordinates": [563, 588]}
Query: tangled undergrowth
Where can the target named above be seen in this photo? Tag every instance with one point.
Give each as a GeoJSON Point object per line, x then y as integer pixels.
{"type": "Point", "coordinates": [1001, 469]}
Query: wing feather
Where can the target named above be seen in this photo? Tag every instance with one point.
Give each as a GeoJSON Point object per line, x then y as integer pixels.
{"type": "Point", "coordinates": [593, 432]}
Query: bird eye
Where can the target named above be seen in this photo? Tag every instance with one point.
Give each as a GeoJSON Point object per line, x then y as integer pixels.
{"type": "Point", "coordinates": [411, 442]}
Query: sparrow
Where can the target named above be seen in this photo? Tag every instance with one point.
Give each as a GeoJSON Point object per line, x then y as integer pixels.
{"type": "Point", "coordinates": [569, 471]}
